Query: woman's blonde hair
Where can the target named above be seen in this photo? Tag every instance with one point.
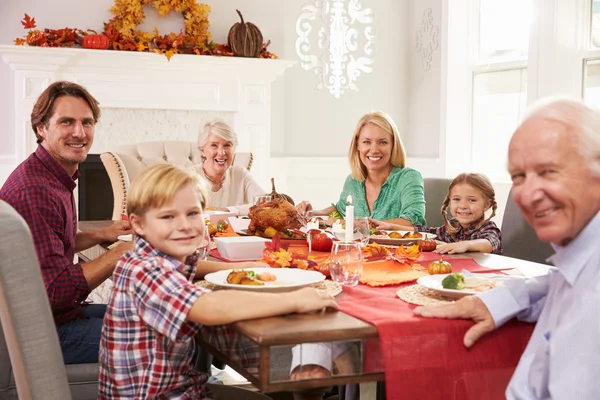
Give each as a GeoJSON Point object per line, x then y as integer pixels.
{"type": "Point", "coordinates": [479, 182]}
{"type": "Point", "coordinates": [158, 185]}
{"type": "Point", "coordinates": [385, 122]}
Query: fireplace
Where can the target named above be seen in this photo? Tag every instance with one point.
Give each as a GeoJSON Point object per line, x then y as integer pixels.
{"type": "Point", "coordinates": [95, 197]}
{"type": "Point", "coordinates": [145, 97]}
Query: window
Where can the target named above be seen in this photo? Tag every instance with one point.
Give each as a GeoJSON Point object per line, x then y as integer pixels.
{"type": "Point", "coordinates": [499, 81]}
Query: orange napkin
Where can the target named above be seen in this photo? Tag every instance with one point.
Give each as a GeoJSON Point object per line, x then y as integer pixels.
{"type": "Point", "coordinates": [227, 232]}
{"type": "Point", "coordinates": [388, 272]}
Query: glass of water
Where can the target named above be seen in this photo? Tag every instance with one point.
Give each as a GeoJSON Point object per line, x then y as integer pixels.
{"type": "Point", "coordinates": [204, 247]}
{"type": "Point", "coordinates": [361, 226]}
{"type": "Point", "coordinates": [346, 263]}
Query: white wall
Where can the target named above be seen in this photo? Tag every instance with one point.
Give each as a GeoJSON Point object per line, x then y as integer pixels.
{"type": "Point", "coordinates": [311, 129]}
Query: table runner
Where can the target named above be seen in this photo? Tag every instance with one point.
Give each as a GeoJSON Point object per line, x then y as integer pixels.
{"type": "Point", "coordinates": [425, 358]}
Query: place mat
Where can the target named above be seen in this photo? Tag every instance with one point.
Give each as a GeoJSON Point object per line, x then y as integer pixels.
{"type": "Point", "coordinates": [420, 296]}
{"type": "Point", "coordinates": [330, 287]}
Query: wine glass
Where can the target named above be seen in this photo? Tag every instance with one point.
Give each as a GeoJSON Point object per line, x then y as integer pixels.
{"type": "Point", "coordinates": [346, 263]}
{"type": "Point", "coordinates": [361, 226]}
{"type": "Point", "coordinates": [262, 198]}
{"type": "Point", "coordinates": [204, 247]}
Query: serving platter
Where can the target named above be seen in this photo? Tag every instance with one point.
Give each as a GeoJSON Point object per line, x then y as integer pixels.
{"type": "Point", "coordinates": [244, 232]}
{"type": "Point", "coordinates": [386, 240]}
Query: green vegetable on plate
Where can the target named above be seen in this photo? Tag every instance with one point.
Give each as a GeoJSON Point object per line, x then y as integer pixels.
{"type": "Point", "coordinates": [454, 281]}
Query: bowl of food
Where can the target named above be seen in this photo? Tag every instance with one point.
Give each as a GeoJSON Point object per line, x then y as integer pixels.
{"type": "Point", "coordinates": [241, 248]}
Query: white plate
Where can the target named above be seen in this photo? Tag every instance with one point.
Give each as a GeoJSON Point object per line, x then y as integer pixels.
{"type": "Point", "coordinates": [125, 238]}
{"type": "Point", "coordinates": [398, 242]}
{"type": "Point", "coordinates": [288, 279]}
{"type": "Point", "coordinates": [434, 282]}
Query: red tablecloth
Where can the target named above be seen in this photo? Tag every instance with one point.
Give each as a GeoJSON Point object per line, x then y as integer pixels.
{"type": "Point", "coordinates": [425, 358]}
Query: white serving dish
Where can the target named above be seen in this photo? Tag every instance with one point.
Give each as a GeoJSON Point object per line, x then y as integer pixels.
{"type": "Point", "coordinates": [240, 248]}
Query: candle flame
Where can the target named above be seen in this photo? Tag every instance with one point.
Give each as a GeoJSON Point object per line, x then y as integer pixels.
{"type": "Point", "coordinates": [349, 200]}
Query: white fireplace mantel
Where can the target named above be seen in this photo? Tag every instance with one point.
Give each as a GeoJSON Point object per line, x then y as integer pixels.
{"type": "Point", "coordinates": [148, 81]}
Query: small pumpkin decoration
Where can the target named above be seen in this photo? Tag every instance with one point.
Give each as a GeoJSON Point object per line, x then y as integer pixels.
{"type": "Point", "coordinates": [439, 267]}
{"type": "Point", "coordinates": [95, 41]}
{"type": "Point", "coordinates": [275, 195]}
{"type": "Point", "coordinates": [427, 245]}
{"type": "Point", "coordinates": [245, 39]}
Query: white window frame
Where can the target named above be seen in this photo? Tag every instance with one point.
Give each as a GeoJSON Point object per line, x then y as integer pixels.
{"type": "Point", "coordinates": [558, 50]}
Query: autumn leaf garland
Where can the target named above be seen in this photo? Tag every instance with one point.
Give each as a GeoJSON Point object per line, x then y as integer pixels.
{"type": "Point", "coordinates": [123, 34]}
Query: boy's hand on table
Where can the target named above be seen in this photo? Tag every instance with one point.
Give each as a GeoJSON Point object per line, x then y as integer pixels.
{"type": "Point", "coordinates": [309, 299]}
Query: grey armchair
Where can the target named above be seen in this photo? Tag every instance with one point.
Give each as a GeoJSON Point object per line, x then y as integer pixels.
{"type": "Point", "coordinates": [31, 362]}
{"type": "Point", "coordinates": [436, 190]}
{"type": "Point", "coordinates": [519, 240]}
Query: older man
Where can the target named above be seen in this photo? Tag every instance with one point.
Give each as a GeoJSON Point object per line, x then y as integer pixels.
{"type": "Point", "coordinates": [554, 163]}
{"type": "Point", "coordinates": [41, 190]}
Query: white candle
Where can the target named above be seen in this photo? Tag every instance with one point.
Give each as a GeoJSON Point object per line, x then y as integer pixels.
{"type": "Point", "coordinates": [337, 226]}
{"type": "Point", "coordinates": [349, 220]}
{"type": "Point", "coordinates": [312, 224]}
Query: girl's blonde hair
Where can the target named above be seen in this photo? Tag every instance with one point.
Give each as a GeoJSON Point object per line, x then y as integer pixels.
{"type": "Point", "coordinates": [158, 185]}
{"type": "Point", "coordinates": [479, 182]}
{"type": "Point", "coordinates": [385, 122]}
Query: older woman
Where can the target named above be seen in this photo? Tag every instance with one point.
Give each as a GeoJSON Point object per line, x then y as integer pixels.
{"type": "Point", "coordinates": [381, 185]}
{"type": "Point", "coordinates": [232, 186]}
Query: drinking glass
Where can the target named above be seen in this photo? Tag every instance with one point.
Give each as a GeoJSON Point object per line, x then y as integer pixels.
{"type": "Point", "coordinates": [346, 263]}
{"type": "Point", "coordinates": [361, 226]}
{"type": "Point", "coordinates": [262, 198]}
{"type": "Point", "coordinates": [204, 247]}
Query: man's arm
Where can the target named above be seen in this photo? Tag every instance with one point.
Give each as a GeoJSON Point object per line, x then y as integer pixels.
{"type": "Point", "coordinates": [97, 271]}
{"type": "Point", "coordinates": [85, 240]}
{"type": "Point", "coordinates": [523, 298]}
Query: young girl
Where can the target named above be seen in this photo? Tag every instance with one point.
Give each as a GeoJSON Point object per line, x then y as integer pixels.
{"type": "Point", "coordinates": [155, 311]}
{"type": "Point", "coordinates": [469, 197]}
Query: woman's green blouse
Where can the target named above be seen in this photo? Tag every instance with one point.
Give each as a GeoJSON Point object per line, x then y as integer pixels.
{"type": "Point", "coordinates": [401, 196]}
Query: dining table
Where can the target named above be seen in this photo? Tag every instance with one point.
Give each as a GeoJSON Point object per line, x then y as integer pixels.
{"type": "Point", "coordinates": [375, 337]}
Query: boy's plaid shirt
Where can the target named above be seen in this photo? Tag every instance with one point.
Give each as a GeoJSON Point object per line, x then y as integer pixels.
{"type": "Point", "coordinates": [488, 231]}
{"type": "Point", "coordinates": [147, 344]}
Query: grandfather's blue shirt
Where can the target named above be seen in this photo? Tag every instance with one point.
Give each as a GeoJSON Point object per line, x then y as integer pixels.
{"type": "Point", "coordinates": [562, 359]}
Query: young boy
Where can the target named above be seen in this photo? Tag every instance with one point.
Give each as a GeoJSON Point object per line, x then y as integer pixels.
{"type": "Point", "coordinates": [155, 311]}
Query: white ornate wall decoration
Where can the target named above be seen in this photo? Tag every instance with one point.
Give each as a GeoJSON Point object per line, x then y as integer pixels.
{"type": "Point", "coordinates": [427, 39]}
{"type": "Point", "coordinates": [344, 33]}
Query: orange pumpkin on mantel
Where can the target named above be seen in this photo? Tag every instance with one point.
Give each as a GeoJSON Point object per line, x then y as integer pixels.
{"type": "Point", "coordinates": [95, 41]}
{"type": "Point", "coordinates": [439, 267]}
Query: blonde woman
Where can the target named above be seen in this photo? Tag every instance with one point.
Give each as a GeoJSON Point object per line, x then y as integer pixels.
{"type": "Point", "coordinates": [381, 185]}
{"type": "Point", "coordinates": [232, 188]}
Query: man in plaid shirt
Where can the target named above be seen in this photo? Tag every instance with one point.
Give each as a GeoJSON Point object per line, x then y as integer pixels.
{"type": "Point", "coordinates": [41, 190]}
{"type": "Point", "coordinates": [155, 310]}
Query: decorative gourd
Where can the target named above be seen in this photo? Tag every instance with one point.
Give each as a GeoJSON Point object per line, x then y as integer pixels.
{"type": "Point", "coordinates": [245, 39]}
{"type": "Point", "coordinates": [275, 195]}
{"type": "Point", "coordinates": [427, 245]}
{"type": "Point", "coordinates": [439, 267]}
{"type": "Point", "coordinates": [95, 41]}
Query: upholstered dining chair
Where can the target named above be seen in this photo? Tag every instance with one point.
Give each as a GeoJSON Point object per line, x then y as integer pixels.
{"type": "Point", "coordinates": [436, 190]}
{"type": "Point", "coordinates": [519, 240]}
{"type": "Point", "coordinates": [124, 163]}
{"type": "Point", "coordinates": [31, 362]}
